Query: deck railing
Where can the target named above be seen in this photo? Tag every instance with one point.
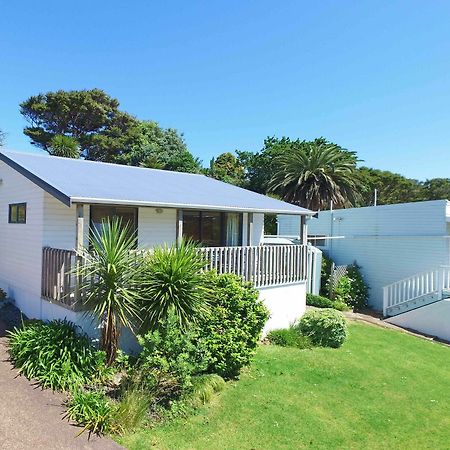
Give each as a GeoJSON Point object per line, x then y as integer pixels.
{"type": "Point", "coordinates": [265, 265]}
{"type": "Point", "coordinates": [59, 281]}
{"type": "Point", "coordinates": [434, 281]}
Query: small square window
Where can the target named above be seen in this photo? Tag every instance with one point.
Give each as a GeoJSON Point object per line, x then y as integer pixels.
{"type": "Point", "coordinates": [18, 213]}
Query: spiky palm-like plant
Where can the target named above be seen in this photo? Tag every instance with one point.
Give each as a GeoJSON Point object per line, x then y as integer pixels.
{"type": "Point", "coordinates": [314, 174]}
{"type": "Point", "coordinates": [172, 283]}
{"type": "Point", "coordinates": [110, 280]}
{"type": "Point", "coordinates": [65, 146]}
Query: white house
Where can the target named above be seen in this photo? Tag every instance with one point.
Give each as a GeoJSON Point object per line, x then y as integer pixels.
{"type": "Point", "coordinates": [404, 254]}
{"type": "Point", "coordinates": [48, 206]}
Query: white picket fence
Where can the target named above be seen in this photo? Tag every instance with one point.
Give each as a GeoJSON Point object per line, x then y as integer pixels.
{"type": "Point", "coordinates": [431, 282]}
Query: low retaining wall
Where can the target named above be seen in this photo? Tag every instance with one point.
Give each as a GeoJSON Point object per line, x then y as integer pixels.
{"type": "Point", "coordinates": [432, 320]}
{"type": "Point", "coordinates": [286, 303]}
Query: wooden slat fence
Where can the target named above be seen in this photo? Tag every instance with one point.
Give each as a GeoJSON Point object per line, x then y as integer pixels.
{"type": "Point", "coordinates": [58, 277]}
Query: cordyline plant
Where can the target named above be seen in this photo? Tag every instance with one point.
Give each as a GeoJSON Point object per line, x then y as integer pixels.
{"type": "Point", "coordinates": [172, 281]}
{"type": "Point", "coordinates": [138, 290]}
{"type": "Point", "coordinates": [110, 273]}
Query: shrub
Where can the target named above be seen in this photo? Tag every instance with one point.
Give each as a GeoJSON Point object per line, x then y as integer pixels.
{"type": "Point", "coordinates": [351, 288]}
{"type": "Point", "coordinates": [326, 327]}
{"type": "Point", "coordinates": [288, 337]}
{"type": "Point", "coordinates": [2, 294]}
{"type": "Point", "coordinates": [55, 355]}
{"type": "Point", "coordinates": [93, 411]}
{"type": "Point", "coordinates": [322, 302]}
{"type": "Point", "coordinates": [230, 333]}
{"type": "Point", "coordinates": [325, 273]}
{"type": "Point", "coordinates": [167, 362]}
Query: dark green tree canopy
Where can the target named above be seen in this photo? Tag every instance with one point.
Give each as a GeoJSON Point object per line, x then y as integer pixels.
{"type": "Point", "coordinates": [226, 167]}
{"type": "Point", "coordinates": [90, 117]}
{"type": "Point", "coordinates": [391, 187]}
{"type": "Point", "coordinates": [89, 123]}
{"type": "Point", "coordinates": [437, 189]}
{"type": "Point", "coordinates": [160, 148]}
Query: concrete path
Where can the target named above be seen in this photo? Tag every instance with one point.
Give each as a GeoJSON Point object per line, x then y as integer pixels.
{"type": "Point", "coordinates": [30, 418]}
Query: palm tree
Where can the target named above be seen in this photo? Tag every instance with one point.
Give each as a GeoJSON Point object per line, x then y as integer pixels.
{"type": "Point", "coordinates": [314, 174]}
{"type": "Point", "coordinates": [65, 146]}
{"type": "Point", "coordinates": [110, 276]}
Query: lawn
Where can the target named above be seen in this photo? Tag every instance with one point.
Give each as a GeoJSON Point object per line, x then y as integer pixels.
{"type": "Point", "coordinates": [383, 389]}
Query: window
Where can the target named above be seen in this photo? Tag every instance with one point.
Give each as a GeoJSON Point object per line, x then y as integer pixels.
{"type": "Point", "coordinates": [18, 213]}
{"type": "Point", "coordinates": [317, 240]}
{"type": "Point", "coordinates": [213, 229]}
{"type": "Point", "coordinates": [101, 213]}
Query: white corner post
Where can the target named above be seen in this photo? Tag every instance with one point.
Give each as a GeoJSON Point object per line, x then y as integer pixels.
{"type": "Point", "coordinates": [303, 230]}
{"type": "Point", "coordinates": [250, 229]}
{"type": "Point", "coordinates": [179, 236]}
{"type": "Point", "coordinates": [80, 228]}
{"type": "Point", "coordinates": [79, 244]}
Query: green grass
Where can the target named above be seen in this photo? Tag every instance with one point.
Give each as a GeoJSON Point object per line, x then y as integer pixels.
{"type": "Point", "coordinates": [382, 390]}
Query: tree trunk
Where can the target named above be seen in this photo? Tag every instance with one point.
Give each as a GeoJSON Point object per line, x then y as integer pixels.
{"type": "Point", "coordinates": [110, 338]}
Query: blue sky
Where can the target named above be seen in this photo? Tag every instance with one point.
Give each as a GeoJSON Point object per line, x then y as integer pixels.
{"type": "Point", "coordinates": [373, 76]}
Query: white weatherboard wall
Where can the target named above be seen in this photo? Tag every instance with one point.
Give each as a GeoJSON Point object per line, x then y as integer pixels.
{"type": "Point", "coordinates": [288, 225]}
{"type": "Point", "coordinates": [286, 303]}
{"type": "Point", "coordinates": [21, 244]}
{"type": "Point", "coordinates": [389, 242]}
{"type": "Point", "coordinates": [156, 226]}
{"type": "Point", "coordinates": [433, 319]}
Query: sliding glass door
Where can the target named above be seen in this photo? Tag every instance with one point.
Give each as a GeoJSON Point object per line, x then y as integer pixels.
{"type": "Point", "coordinates": [213, 229]}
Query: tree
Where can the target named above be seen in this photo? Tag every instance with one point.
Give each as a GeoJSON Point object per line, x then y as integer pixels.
{"type": "Point", "coordinates": [226, 167]}
{"type": "Point", "coordinates": [160, 148]}
{"type": "Point", "coordinates": [314, 174]}
{"type": "Point", "coordinates": [391, 187]}
{"type": "Point", "coordinates": [437, 189]}
{"type": "Point", "coordinates": [92, 121]}
{"type": "Point", "coordinates": [2, 137]}
{"type": "Point", "coordinates": [259, 167]}
{"type": "Point", "coordinates": [89, 117]}
{"type": "Point", "coordinates": [110, 274]}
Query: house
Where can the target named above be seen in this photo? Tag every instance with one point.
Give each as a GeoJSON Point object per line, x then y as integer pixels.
{"type": "Point", "coordinates": [48, 205]}
{"type": "Point", "coordinates": [404, 254]}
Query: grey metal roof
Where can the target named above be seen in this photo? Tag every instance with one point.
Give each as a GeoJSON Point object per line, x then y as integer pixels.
{"type": "Point", "coordinates": [81, 181]}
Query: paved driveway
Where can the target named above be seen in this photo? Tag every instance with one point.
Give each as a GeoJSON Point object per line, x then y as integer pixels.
{"type": "Point", "coordinates": [30, 418]}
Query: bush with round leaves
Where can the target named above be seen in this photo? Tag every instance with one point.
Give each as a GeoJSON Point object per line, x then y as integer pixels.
{"type": "Point", "coordinates": [232, 329]}
{"type": "Point", "coordinates": [323, 302]}
{"type": "Point", "coordinates": [324, 327]}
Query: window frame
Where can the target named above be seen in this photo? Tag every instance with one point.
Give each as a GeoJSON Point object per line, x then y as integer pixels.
{"type": "Point", "coordinates": [317, 240]}
{"type": "Point", "coordinates": [113, 211]}
{"type": "Point", "coordinates": [15, 220]}
{"type": "Point", "coordinates": [223, 225]}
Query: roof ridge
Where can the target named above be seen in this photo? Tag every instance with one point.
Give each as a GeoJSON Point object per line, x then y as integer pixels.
{"type": "Point", "coordinates": [78, 160]}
